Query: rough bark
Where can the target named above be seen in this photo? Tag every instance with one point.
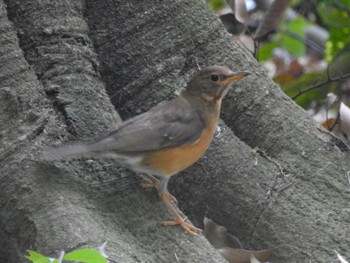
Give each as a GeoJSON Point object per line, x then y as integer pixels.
{"type": "Point", "coordinates": [144, 52]}
{"type": "Point", "coordinates": [299, 198]}
{"type": "Point", "coordinates": [50, 93]}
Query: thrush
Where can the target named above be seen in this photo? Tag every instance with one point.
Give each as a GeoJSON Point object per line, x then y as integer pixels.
{"type": "Point", "coordinates": [166, 139]}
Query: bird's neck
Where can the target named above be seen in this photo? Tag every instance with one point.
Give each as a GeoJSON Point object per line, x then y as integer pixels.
{"type": "Point", "coordinates": [207, 107]}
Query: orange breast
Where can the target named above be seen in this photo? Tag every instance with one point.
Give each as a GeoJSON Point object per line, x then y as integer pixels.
{"type": "Point", "coordinates": [173, 160]}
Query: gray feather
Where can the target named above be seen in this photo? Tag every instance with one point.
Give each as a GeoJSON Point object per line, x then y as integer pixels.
{"type": "Point", "coordinates": [67, 152]}
{"type": "Point", "coordinates": [166, 125]}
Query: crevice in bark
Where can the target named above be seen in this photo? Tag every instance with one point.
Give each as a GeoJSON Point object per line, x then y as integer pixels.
{"type": "Point", "coordinates": [274, 190]}
{"type": "Point", "coordinates": [335, 142]}
{"type": "Point", "coordinates": [59, 107]}
{"type": "Point", "coordinates": [128, 75]}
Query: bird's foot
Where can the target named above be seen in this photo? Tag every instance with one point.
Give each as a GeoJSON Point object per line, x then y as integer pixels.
{"type": "Point", "coordinates": [190, 229]}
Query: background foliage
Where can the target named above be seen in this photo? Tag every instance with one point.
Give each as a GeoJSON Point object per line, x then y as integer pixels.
{"type": "Point", "coordinates": [306, 49]}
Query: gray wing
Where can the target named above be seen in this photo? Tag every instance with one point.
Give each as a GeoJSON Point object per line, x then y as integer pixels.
{"type": "Point", "coordinates": [167, 125]}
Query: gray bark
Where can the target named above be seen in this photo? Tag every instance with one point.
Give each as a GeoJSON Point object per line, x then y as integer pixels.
{"type": "Point", "coordinates": [53, 83]}
{"type": "Point", "coordinates": [51, 93]}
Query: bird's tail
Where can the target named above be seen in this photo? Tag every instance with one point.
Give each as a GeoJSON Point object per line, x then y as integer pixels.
{"type": "Point", "coordinates": [67, 152]}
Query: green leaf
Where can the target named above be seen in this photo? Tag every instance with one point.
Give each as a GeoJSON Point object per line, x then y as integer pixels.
{"type": "Point", "coordinates": [265, 50]}
{"type": "Point", "coordinates": [338, 39]}
{"type": "Point", "coordinates": [345, 3]}
{"type": "Point", "coordinates": [294, 46]}
{"type": "Point", "coordinates": [216, 4]}
{"type": "Point", "coordinates": [340, 64]}
{"type": "Point", "coordinates": [337, 21]}
{"type": "Point", "coordinates": [296, 27]}
{"type": "Point", "coordinates": [333, 17]}
{"type": "Point", "coordinates": [36, 257]}
{"type": "Point", "coordinates": [86, 255]}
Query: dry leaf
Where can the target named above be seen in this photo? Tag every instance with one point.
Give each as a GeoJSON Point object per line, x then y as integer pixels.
{"type": "Point", "coordinates": [288, 73]}
{"type": "Point", "coordinates": [231, 24]}
{"type": "Point", "coordinates": [344, 113]}
{"type": "Point", "coordinates": [240, 10]}
{"type": "Point", "coordinates": [253, 259]}
{"type": "Point", "coordinates": [340, 257]}
{"type": "Point", "coordinates": [234, 255]}
{"type": "Point", "coordinates": [331, 100]}
{"type": "Point", "coordinates": [328, 123]}
{"type": "Point", "coordinates": [271, 18]}
{"type": "Point", "coordinates": [218, 235]}
{"type": "Point", "coordinates": [230, 247]}
{"type": "Point", "coordinates": [245, 41]}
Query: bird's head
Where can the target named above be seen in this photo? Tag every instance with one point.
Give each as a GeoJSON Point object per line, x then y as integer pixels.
{"type": "Point", "coordinates": [212, 83]}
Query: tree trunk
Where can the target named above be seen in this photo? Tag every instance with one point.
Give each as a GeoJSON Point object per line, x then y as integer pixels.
{"type": "Point", "coordinates": [49, 207]}
{"type": "Point", "coordinates": [144, 52]}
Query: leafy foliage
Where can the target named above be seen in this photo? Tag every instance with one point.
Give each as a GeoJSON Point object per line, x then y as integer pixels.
{"type": "Point", "coordinates": [304, 45]}
{"type": "Point", "coordinates": [216, 4]}
{"type": "Point", "coordinates": [286, 38]}
{"type": "Point", "coordinates": [37, 258]}
{"type": "Point", "coordinates": [337, 20]}
{"type": "Point", "coordinates": [288, 41]}
{"type": "Point", "coordinates": [84, 255]}
{"type": "Point", "coordinates": [315, 96]}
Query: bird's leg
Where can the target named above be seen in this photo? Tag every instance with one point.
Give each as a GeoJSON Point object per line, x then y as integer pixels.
{"type": "Point", "coordinates": [164, 194]}
{"type": "Point", "coordinates": [190, 229]}
{"type": "Point", "coordinates": [154, 181]}
{"type": "Point", "coordinates": [154, 184]}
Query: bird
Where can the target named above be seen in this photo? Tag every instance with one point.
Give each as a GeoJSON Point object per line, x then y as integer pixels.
{"type": "Point", "coordinates": [166, 139]}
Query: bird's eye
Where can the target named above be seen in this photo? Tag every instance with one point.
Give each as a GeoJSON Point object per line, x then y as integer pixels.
{"type": "Point", "coordinates": [214, 77]}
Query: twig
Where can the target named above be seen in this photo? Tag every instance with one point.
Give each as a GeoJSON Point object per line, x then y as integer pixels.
{"type": "Point", "coordinates": [329, 74]}
{"type": "Point", "coordinates": [318, 85]}
{"type": "Point", "coordinates": [256, 49]}
{"type": "Point", "coordinates": [334, 122]}
{"type": "Point", "coordinates": [176, 257]}
{"type": "Point", "coordinates": [304, 40]}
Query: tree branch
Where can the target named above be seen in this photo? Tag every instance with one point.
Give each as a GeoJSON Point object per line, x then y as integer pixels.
{"type": "Point", "coordinates": [318, 85]}
{"type": "Point", "coordinates": [334, 122]}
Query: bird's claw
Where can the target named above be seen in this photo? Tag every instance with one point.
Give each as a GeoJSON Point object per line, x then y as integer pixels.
{"type": "Point", "coordinates": [190, 229]}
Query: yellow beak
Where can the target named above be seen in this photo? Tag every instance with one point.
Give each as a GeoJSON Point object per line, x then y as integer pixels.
{"type": "Point", "coordinates": [235, 76]}
{"type": "Point", "coordinates": [232, 77]}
